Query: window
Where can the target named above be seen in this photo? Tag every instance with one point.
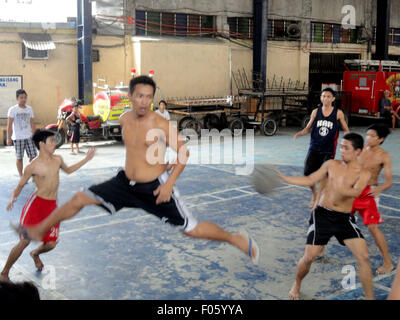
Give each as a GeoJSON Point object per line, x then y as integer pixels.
{"type": "Point", "coordinates": [332, 33]}
{"type": "Point", "coordinates": [152, 23]}
{"type": "Point", "coordinates": [36, 45]}
{"type": "Point", "coordinates": [286, 30]}
{"type": "Point", "coordinates": [277, 29]}
{"type": "Point", "coordinates": [33, 54]}
{"type": "Point", "coordinates": [95, 55]}
{"type": "Point", "coordinates": [394, 36]}
{"type": "Point", "coordinates": [240, 27]}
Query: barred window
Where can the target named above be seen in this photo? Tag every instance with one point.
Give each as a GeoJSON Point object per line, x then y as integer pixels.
{"type": "Point", "coordinates": [152, 23]}
{"type": "Point", "coordinates": [394, 36]}
{"type": "Point", "coordinates": [333, 33]}
{"type": "Point", "coordinates": [287, 30]}
{"type": "Point", "coordinates": [240, 27]}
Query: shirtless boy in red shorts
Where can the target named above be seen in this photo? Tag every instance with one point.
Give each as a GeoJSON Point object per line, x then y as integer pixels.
{"type": "Point", "coordinates": [45, 172]}
{"type": "Point", "coordinates": [374, 158]}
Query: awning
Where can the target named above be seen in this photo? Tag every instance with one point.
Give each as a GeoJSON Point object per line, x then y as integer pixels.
{"type": "Point", "coordinates": [37, 41]}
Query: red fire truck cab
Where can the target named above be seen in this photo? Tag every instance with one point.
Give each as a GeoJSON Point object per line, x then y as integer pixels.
{"type": "Point", "coordinates": [364, 88]}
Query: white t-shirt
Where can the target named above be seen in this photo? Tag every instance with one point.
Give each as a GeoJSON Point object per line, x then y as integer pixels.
{"type": "Point", "coordinates": [164, 114]}
{"type": "Point", "coordinates": [22, 122]}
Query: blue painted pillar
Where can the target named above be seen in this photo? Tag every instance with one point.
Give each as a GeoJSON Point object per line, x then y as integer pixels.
{"type": "Point", "coordinates": [84, 34]}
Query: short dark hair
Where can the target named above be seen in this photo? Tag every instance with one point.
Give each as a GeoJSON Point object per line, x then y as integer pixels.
{"type": "Point", "coordinates": [329, 90]}
{"type": "Point", "coordinates": [19, 92]}
{"type": "Point", "coordinates": [162, 101]}
{"type": "Point", "coordinates": [357, 141]}
{"type": "Point", "coordinates": [141, 80]}
{"type": "Point", "coordinates": [18, 291]}
{"type": "Point", "coordinates": [381, 129]}
{"type": "Point", "coordinates": [41, 135]}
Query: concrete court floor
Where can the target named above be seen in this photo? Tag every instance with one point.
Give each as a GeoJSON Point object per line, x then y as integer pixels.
{"type": "Point", "coordinates": [133, 256]}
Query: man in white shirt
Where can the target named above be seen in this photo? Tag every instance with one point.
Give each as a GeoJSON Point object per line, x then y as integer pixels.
{"type": "Point", "coordinates": [162, 110]}
{"type": "Point", "coordinates": [20, 126]}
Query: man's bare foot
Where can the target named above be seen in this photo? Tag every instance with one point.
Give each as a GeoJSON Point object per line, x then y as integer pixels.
{"type": "Point", "coordinates": [385, 269]}
{"type": "Point", "coordinates": [294, 293]}
{"type": "Point", "coordinates": [4, 278]}
{"type": "Point", "coordinates": [38, 263]}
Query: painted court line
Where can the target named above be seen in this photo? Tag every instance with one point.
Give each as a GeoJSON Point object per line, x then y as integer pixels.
{"type": "Point", "coordinates": [100, 225]}
{"type": "Point", "coordinates": [359, 285]}
{"type": "Point", "coordinates": [390, 208]}
{"type": "Point", "coordinates": [390, 196]}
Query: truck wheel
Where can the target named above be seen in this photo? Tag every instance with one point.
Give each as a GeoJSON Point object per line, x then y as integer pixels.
{"type": "Point", "coordinates": [269, 127]}
{"type": "Point", "coordinates": [211, 121]}
{"type": "Point", "coordinates": [183, 122]}
{"type": "Point", "coordinates": [194, 125]}
{"type": "Point", "coordinates": [236, 125]}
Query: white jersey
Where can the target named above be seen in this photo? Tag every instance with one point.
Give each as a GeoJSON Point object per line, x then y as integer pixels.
{"type": "Point", "coordinates": [164, 114]}
{"type": "Point", "coordinates": [22, 122]}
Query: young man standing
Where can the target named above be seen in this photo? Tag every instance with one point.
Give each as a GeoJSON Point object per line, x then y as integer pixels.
{"type": "Point", "coordinates": [20, 126]}
{"type": "Point", "coordinates": [145, 183]}
{"type": "Point", "coordinates": [45, 172]}
{"type": "Point", "coordinates": [373, 158]}
{"type": "Point", "coordinates": [162, 110]}
{"type": "Point", "coordinates": [324, 126]}
{"type": "Point", "coordinates": [345, 180]}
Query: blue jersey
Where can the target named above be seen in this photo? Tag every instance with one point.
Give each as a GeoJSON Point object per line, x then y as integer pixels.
{"type": "Point", "coordinates": [324, 132]}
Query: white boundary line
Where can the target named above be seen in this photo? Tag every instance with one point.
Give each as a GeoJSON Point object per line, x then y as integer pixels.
{"type": "Point", "coordinates": [390, 196]}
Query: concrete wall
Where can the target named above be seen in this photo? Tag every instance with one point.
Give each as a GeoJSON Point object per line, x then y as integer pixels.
{"type": "Point", "coordinates": [116, 59]}
{"type": "Point", "coordinates": [47, 82]}
{"type": "Point", "coordinates": [185, 68]}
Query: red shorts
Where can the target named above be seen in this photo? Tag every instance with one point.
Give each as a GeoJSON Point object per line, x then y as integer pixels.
{"type": "Point", "coordinates": [35, 210]}
{"type": "Point", "coordinates": [367, 208]}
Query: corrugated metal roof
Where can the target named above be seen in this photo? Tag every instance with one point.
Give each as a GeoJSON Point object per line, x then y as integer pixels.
{"type": "Point", "coordinates": [37, 41]}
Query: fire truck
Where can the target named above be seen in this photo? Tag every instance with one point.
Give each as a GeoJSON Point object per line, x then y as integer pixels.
{"type": "Point", "coordinates": [362, 88]}
{"type": "Point", "coordinates": [108, 105]}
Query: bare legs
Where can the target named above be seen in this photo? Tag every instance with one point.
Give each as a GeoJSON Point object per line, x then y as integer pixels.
{"type": "Point", "coordinates": [380, 241]}
{"type": "Point", "coordinates": [210, 231]}
{"type": "Point", "coordinates": [303, 267]}
{"type": "Point", "coordinates": [16, 253]}
{"type": "Point", "coordinates": [359, 249]}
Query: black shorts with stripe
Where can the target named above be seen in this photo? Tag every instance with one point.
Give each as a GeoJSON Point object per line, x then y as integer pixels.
{"type": "Point", "coordinates": [314, 161]}
{"type": "Point", "coordinates": [325, 223]}
{"type": "Point", "coordinates": [120, 192]}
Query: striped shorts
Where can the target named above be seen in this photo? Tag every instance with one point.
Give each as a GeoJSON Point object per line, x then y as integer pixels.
{"type": "Point", "coordinates": [35, 210]}
{"type": "Point", "coordinates": [120, 192]}
{"type": "Point", "coordinates": [25, 145]}
{"type": "Point", "coordinates": [326, 223]}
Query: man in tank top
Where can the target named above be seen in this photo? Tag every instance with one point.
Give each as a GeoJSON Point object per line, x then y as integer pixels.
{"type": "Point", "coordinates": [324, 128]}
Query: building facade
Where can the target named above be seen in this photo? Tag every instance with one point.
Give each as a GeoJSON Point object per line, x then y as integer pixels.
{"type": "Point", "coordinates": [195, 47]}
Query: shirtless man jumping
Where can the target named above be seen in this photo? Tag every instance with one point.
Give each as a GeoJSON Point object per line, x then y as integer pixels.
{"type": "Point", "coordinates": [45, 172]}
{"type": "Point", "coordinates": [346, 179]}
{"type": "Point", "coordinates": [146, 184]}
{"type": "Point", "coordinates": [374, 159]}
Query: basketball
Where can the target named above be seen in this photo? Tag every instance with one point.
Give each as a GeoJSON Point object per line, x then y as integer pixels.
{"type": "Point", "coordinates": [265, 178]}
